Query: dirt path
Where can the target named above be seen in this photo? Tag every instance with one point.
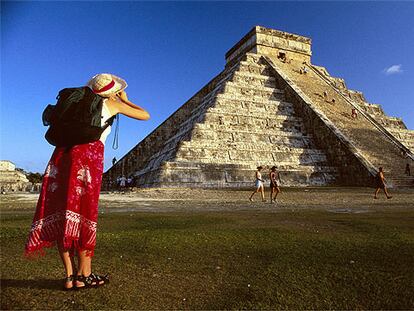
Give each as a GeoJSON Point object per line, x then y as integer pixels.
{"type": "Point", "coordinates": [339, 200]}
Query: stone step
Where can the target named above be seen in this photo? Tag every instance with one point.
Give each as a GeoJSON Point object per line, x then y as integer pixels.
{"type": "Point", "coordinates": [206, 175]}
{"type": "Point", "coordinates": [405, 136]}
{"type": "Point", "coordinates": [278, 110]}
{"type": "Point", "coordinates": [403, 132]}
{"type": "Point", "coordinates": [296, 140]}
{"type": "Point", "coordinates": [221, 116]}
{"type": "Point", "coordinates": [248, 166]}
{"type": "Point", "coordinates": [256, 147]}
{"type": "Point", "coordinates": [251, 91]}
{"type": "Point", "coordinates": [218, 88]}
{"type": "Point", "coordinates": [255, 99]}
{"type": "Point", "coordinates": [235, 106]}
{"type": "Point", "coordinates": [195, 115]}
{"type": "Point", "coordinates": [255, 69]}
{"type": "Point", "coordinates": [261, 127]}
{"type": "Point", "coordinates": [401, 178]}
{"type": "Point", "coordinates": [250, 80]}
{"type": "Point", "coordinates": [245, 164]}
{"type": "Point", "coordinates": [247, 78]}
{"type": "Point", "coordinates": [218, 155]}
{"type": "Point", "coordinates": [251, 165]}
{"type": "Point", "coordinates": [216, 119]}
{"type": "Point", "coordinates": [398, 184]}
{"type": "Point", "coordinates": [184, 129]}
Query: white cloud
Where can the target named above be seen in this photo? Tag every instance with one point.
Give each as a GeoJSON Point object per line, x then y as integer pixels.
{"type": "Point", "coordinates": [394, 69]}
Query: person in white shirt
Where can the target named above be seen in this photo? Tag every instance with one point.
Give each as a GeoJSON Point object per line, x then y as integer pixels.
{"type": "Point", "coordinates": [259, 184]}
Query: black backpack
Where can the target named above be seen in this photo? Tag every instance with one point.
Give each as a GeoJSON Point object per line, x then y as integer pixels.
{"type": "Point", "coordinates": [75, 119]}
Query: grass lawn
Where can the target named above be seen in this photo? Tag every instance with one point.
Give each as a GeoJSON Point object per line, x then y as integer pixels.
{"type": "Point", "coordinates": [245, 259]}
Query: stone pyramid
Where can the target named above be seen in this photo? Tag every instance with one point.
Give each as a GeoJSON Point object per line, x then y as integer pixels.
{"type": "Point", "coordinates": [271, 106]}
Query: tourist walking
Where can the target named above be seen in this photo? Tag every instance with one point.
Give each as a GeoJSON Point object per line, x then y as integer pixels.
{"type": "Point", "coordinates": [275, 181]}
{"type": "Point", "coordinates": [67, 209]}
{"type": "Point", "coordinates": [380, 184]}
{"type": "Point", "coordinates": [259, 184]}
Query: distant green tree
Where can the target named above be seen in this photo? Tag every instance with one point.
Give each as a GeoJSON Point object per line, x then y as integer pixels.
{"type": "Point", "coordinates": [34, 177]}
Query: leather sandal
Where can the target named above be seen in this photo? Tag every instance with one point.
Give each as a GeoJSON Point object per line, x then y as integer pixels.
{"type": "Point", "coordinates": [92, 280]}
{"type": "Point", "coordinates": [88, 281]}
{"type": "Point", "coordinates": [68, 279]}
{"type": "Point", "coordinates": [100, 280]}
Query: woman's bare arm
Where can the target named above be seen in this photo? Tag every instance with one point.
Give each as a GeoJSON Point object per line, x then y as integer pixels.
{"type": "Point", "coordinates": [121, 104]}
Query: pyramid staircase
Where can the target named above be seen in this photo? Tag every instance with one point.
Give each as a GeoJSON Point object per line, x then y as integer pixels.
{"type": "Point", "coordinates": [261, 111]}
{"type": "Point", "coordinates": [372, 140]}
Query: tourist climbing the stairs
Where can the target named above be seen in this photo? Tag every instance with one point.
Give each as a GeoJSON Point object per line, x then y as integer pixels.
{"type": "Point", "coordinates": [407, 170]}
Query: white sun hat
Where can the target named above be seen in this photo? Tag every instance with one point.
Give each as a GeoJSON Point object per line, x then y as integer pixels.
{"type": "Point", "coordinates": [106, 84]}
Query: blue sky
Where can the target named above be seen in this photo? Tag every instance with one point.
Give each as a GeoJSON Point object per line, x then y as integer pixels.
{"type": "Point", "coordinates": [167, 51]}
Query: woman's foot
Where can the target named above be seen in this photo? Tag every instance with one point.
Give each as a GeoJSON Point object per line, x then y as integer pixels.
{"type": "Point", "coordinates": [68, 282]}
{"type": "Point", "coordinates": [84, 282]}
{"type": "Point", "coordinates": [92, 280]}
{"type": "Point", "coordinates": [100, 279]}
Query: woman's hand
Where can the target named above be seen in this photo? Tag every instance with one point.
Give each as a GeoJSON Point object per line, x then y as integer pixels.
{"type": "Point", "coordinates": [123, 96]}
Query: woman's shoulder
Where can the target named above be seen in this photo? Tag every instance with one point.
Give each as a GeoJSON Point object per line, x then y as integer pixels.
{"type": "Point", "coordinates": [110, 106]}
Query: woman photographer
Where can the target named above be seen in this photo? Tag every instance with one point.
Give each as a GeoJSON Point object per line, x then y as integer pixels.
{"type": "Point", "coordinates": [67, 209]}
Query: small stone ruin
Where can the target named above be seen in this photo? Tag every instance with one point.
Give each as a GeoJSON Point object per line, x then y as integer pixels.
{"type": "Point", "coordinates": [12, 179]}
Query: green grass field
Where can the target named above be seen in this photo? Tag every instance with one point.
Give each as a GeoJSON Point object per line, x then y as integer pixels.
{"type": "Point", "coordinates": [256, 257]}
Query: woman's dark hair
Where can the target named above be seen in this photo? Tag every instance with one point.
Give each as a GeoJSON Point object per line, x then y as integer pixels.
{"type": "Point", "coordinates": [259, 167]}
{"type": "Point", "coordinates": [380, 168]}
{"type": "Point", "coordinates": [273, 168]}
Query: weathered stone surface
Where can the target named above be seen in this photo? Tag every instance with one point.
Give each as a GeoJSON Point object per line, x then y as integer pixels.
{"type": "Point", "coordinates": [366, 136]}
{"type": "Point", "coordinates": [260, 110]}
{"type": "Point", "coordinates": [11, 179]}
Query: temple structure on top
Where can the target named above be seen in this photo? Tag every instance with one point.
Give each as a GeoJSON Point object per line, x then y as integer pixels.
{"type": "Point", "coordinates": [274, 43]}
{"type": "Point", "coordinates": [271, 106]}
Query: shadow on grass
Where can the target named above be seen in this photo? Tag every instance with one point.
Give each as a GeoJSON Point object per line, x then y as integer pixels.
{"type": "Point", "coordinates": [38, 284]}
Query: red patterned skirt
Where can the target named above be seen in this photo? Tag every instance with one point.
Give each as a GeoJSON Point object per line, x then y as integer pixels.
{"type": "Point", "coordinates": [67, 209]}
